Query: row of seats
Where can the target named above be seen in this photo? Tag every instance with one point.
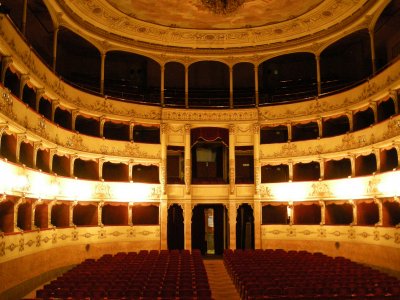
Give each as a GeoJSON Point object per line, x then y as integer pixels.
{"type": "Point", "coordinates": [279, 274]}
{"type": "Point", "coordinates": [144, 275]}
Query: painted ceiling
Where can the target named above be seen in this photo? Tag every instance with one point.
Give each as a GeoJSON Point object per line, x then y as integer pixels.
{"type": "Point", "coordinates": [194, 14]}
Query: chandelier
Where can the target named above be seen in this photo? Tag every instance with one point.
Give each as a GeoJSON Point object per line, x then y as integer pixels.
{"type": "Point", "coordinates": [222, 7]}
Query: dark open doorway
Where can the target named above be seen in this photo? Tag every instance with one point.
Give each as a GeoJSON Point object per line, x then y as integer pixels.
{"type": "Point", "coordinates": [175, 228]}
{"type": "Point", "coordinates": [209, 228]}
{"type": "Point", "coordinates": [245, 227]}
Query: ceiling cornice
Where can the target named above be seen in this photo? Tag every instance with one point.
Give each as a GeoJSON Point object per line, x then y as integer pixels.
{"type": "Point", "coordinates": [122, 32]}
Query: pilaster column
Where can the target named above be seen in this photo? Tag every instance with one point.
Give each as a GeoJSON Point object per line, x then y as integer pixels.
{"type": "Point", "coordinates": [17, 204]}
{"type": "Point", "coordinates": [3, 128]}
{"type": "Point", "coordinates": [24, 11]}
{"type": "Point", "coordinates": [317, 63]}
{"type": "Point", "coordinates": [351, 202]}
{"type": "Point", "coordinates": [256, 85]}
{"type": "Point", "coordinates": [289, 130]}
{"type": "Point", "coordinates": [230, 87]}
{"type": "Point", "coordinates": [131, 125]}
{"type": "Point", "coordinates": [320, 128]}
{"type": "Point", "coordinates": [74, 114]}
{"type": "Point", "coordinates": [130, 165]}
{"type": "Point", "coordinates": [232, 132]}
{"type": "Point", "coordinates": [54, 105]}
{"type": "Point", "coordinates": [5, 63]}
{"type": "Point", "coordinates": [257, 164]}
{"type": "Point", "coordinates": [353, 165]}
{"type": "Point", "coordinates": [188, 162]}
{"type": "Point", "coordinates": [321, 168]}
{"type": "Point", "coordinates": [52, 152]}
{"type": "Point", "coordinates": [39, 94]}
{"type": "Point", "coordinates": [323, 218]}
{"type": "Point", "coordinates": [186, 86]}
{"type": "Point", "coordinates": [232, 224]}
{"type": "Point", "coordinates": [373, 56]}
{"type": "Point", "coordinates": [379, 203]}
{"type": "Point", "coordinates": [36, 203]}
{"type": "Point", "coordinates": [20, 138]}
{"type": "Point", "coordinates": [162, 85]}
{"type": "Point", "coordinates": [102, 66]}
{"type": "Point", "coordinates": [290, 165]}
{"type": "Point", "coordinates": [257, 224]}
{"type": "Point", "coordinates": [36, 147]}
{"type": "Point", "coordinates": [395, 97]}
{"type": "Point", "coordinates": [72, 165]}
{"type": "Point", "coordinates": [163, 223]}
{"type": "Point", "coordinates": [350, 116]}
{"type": "Point", "coordinates": [130, 223]}
{"type": "Point", "coordinates": [395, 146]}
{"type": "Point", "coordinates": [24, 79]}
{"type": "Point", "coordinates": [71, 213]}
{"type": "Point", "coordinates": [55, 42]}
{"type": "Point", "coordinates": [102, 121]}
{"type": "Point", "coordinates": [377, 153]}
{"type": "Point", "coordinates": [100, 163]}
{"type": "Point", "coordinates": [163, 162]}
{"type": "Point", "coordinates": [291, 212]}
{"type": "Point", "coordinates": [100, 213]}
{"type": "Point", "coordinates": [187, 216]}
{"type": "Point", "coordinates": [49, 211]}
{"type": "Point", "coordinates": [374, 106]}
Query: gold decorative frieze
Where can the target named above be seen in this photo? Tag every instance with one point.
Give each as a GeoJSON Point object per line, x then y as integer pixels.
{"type": "Point", "coordinates": [382, 236]}
{"type": "Point", "coordinates": [99, 16]}
{"type": "Point", "coordinates": [383, 132]}
{"type": "Point", "coordinates": [210, 115]}
{"type": "Point", "coordinates": [320, 190]}
{"type": "Point", "coordinates": [18, 245]}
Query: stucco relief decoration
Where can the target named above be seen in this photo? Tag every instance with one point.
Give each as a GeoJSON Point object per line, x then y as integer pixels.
{"type": "Point", "coordinates": [163, 176]}
{"type": "Point", "coordinates": [102, 191]}
{"type": "Point", "coordinates": [130, 149]}
{"type": "Point", "coordinates": [140, 19]}
{"type": "Point", "coordinates": [133, 150]}
{"type": "Point", "coordinates": [287, 149]}
{"type": "Point", "coordinates": [265, 191]}
{"type": "Point", "coordinates": [188, 178]}
{"type": "Point", "coordinates": [164, 128]}
{"type": "Point", "coordinates": [323, 105]}
{"type": "Point", "coordinates": [76, 142]}
{"type": "Point", "coordinates": [7, 103]}
{"type": "Point", "coordinates": [232, 176]}
{"type": "Point", "coordinates": [178, 130]}
{"type": "Point", "coordinates": [40, 128]}
{"type": "Point", "coordinates": [372, 188]}
{"type": "Point", "coordinates": [350, 141]}
{"type": "Point", "coordinates": [393, 128]}
{"type": "Point", "coordinates": [156, 192]}
{"type": "Point", "coordinates": [211, 116]}
{"type": "Point", "coordinates": [320, 190]}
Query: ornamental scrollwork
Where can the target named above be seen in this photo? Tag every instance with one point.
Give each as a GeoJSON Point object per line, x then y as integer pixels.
{"type": "Point", "coordinates": [102, 191]}
{"type": "Point", "coordinates": [319, 190]}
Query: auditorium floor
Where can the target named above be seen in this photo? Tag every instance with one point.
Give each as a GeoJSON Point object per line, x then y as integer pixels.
{"type": "Point", "coordinates": [221, 285]}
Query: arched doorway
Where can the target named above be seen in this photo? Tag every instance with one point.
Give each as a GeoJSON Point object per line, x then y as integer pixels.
{"type": "Point", "coordinates": [175, 227]}
{"type": "Point", "coordinates": [209, 228]}
{"type": "Point", "coordinates": [245, 227]}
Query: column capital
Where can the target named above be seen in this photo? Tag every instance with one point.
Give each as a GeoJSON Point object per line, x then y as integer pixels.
{"type": "Point", "coordinates": [164, 128]}
{"type": "Point", "coordinates": [232, 129]}
{"type": "Point", "coordinates": [187, 128]}
{"type": "Point", "coordinates": [256, 128]}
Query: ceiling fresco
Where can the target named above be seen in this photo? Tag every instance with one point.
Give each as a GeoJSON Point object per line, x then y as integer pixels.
{"type": "Point", "coordinates": [194, 14]}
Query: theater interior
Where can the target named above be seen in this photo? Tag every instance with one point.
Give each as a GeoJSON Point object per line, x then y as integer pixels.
{"type": "Point", "coordinates": [201, 149]}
